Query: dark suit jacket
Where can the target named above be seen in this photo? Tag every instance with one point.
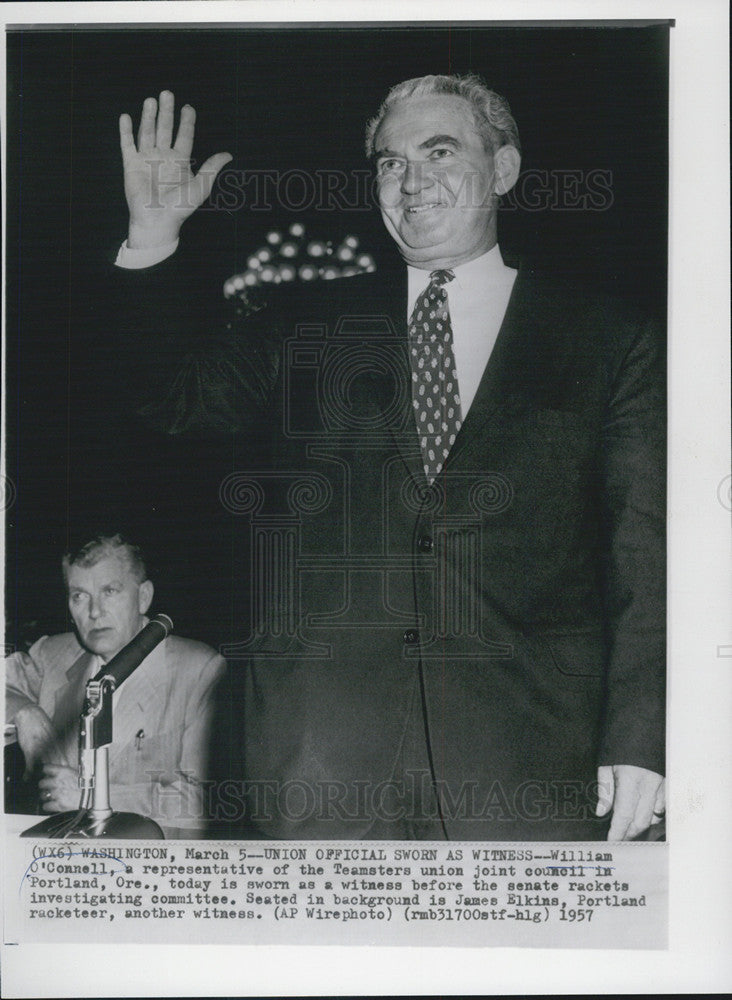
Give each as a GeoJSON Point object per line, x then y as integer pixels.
{"type": "Point", "coordinates": [490, 640]}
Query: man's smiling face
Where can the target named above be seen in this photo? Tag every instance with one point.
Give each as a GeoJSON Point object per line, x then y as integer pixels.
{"type": "Point", "coordinates": [436, 181]}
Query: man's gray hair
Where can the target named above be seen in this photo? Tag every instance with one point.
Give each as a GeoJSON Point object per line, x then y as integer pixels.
{"type": "Point", "coordinates": [493, 118]}
{"type": "Point", "coordinates": [102, 545]}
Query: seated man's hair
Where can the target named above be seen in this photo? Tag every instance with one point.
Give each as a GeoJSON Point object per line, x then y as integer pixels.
{"type": "Point", "coordinates": [100, 546]}
{"type": "Point", "coordinates": [493, 118]}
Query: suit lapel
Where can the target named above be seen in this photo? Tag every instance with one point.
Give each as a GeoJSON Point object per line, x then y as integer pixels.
{"type": "Point", "coordinates": [501, 392]}
{"type": "Point", "coordinates": [69, 702]}
{"type": "Point", "coordinates": [396, 412]}
{"type": "Point", "coordinates": [140, 701]}
{"type": "Point", "coordinates": [509, 385]}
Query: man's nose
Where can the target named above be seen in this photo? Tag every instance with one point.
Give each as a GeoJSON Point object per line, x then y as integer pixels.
{"type": "Point", "coordinates": [95, 607]}
{"type": "Point", "coordinates": [414, 178]}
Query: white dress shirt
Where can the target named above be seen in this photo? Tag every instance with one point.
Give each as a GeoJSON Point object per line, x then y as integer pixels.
{"type": "Point", "coordinates": [135, 260]}
{"type": "Point", "coordinates": [477, 298]}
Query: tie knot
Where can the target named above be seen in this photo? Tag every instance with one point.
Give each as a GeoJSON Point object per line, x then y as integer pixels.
{"type": "Point", "coordinates": [441, 277]}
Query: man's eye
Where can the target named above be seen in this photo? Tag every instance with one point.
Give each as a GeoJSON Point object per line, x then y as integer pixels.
{"type": "Point", "coordinates": [75, 597]}
{"type": "Point", "coordinates": [440, 153]}
{"type": "Point", "coordinates": [389, 166]}
{"type": "Point", "coordinates": [111, 590]}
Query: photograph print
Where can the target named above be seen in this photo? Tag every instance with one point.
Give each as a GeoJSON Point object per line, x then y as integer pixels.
{"type": "Point", "coordinates": [344, 348]}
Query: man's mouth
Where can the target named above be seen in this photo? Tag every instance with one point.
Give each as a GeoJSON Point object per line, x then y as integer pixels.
{"type": "Point", "coordinates": [417, 209]}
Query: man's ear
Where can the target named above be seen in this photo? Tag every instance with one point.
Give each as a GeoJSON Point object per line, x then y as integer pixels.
{"type": "Point", "coordinates": [145, 595]}
{"type": "Point", "coordinates": [507, 165]}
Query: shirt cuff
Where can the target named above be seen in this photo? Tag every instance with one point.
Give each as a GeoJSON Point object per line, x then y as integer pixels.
{"type": "Point", "coordinates": [135, 260]}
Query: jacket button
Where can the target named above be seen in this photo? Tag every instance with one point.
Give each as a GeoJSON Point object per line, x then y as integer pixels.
{"type": "Point", "coordinates": [411, 636]}
{"type": "Point", "coordinates": [425, 543]}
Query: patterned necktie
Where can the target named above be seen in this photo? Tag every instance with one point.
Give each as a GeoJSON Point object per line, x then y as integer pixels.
{"type": "Point", "coordinates": [435, 395]}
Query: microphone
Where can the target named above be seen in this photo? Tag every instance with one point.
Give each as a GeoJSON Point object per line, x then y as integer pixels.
{"type": "Point", "coordinates": [97, 819]}
{"type": "Point", "coordinates": [131, 656]}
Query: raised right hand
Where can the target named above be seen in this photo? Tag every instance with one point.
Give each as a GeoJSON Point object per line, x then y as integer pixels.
{"type": "Point", "coordinates": [160, 188]}
{"type": "Point", "coordinates": [37, 739]}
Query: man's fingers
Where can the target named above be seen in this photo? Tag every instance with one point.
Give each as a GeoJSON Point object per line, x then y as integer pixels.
{"type": "Point", "coordinates": [605, 790]}
{"type": "Point", "coordinates": [49, 803]}
{"type": "Point", "coordinates": [204, 180]}
{"type": "Point", "coordinates": [186, 131]}
{"type": "Point", "coordinates": [659, 806]}
{"type": "Point", "coordinates": [164, 131]}
{"type": "Point", "coordinates": [642, 816]}
{"type": "Point", "coordinates": [620, 825]}
{"type": "Point", "coordinates": [58, 788]}
{"type": "Point", "coordinates": [625, 825]}
{"type": "Point", "coordinates": [636, 794]}
{"type": "Point", "coordinates": [624, 806]}
{"type": "Point", "coordinates": [641, 820]}
{"type": "Point", "coordinates": [126, 140]}
{"type": "Point", "coordinates": [146, 132]}
{"type": "Point", "coordinates": [48, 788]}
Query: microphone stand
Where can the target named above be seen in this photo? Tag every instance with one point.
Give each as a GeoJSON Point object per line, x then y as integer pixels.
{"type": "Point", "coordinates": [94, 818]}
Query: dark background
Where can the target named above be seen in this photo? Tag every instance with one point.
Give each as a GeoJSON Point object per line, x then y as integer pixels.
{"type": "Point", "coordinates": [585, 98]}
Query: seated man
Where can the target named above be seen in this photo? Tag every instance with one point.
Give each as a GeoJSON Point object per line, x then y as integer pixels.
{"type": "Point", "coordinates": [161, 713]}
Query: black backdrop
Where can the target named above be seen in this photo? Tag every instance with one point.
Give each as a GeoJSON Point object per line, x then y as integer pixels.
{"type": "Point", "coordinates": [586, 99]}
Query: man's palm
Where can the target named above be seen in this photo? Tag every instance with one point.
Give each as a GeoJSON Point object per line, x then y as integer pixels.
{"type": "Point", "coordinates": [160, 187]}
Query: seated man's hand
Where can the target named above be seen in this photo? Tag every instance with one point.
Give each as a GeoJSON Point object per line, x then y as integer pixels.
{"type": "Point", "coordinates": [59, 788]}
{"type": "Point", "coordinates": [636, 796]}
{"type": "Point", "coordinates": [37, 738]}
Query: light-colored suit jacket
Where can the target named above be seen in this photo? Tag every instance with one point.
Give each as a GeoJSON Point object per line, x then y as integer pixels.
{"type": "Point", "coordinates": [162, 718]}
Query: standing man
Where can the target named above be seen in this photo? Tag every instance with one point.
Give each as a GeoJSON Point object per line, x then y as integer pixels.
{"type": "Point", "coordinates": [478, 641]}
{"type": "Point", "coordinates": [162, 713]}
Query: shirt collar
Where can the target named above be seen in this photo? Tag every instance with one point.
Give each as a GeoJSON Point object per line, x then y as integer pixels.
{"type": "Point", "coordinates": [471, 274]}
